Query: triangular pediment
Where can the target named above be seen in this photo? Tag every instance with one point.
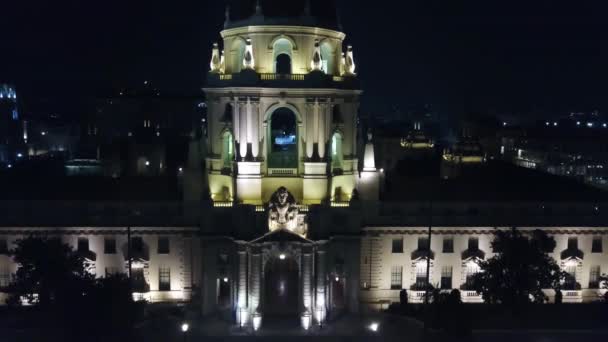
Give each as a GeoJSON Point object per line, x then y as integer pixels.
{"type": "Point", "coordinates": [282, 235]}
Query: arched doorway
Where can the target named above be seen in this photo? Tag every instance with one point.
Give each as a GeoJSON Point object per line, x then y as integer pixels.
{"type": "Point", "coordinates": [281, 288]}
{"type": "Point", "coordinates": [283, 142]}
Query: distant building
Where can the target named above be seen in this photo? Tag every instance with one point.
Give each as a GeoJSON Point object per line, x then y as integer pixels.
{"type": "Point", "coordinates": [12, 134]}
{"type": "Point", "coordinates": [574, 146]}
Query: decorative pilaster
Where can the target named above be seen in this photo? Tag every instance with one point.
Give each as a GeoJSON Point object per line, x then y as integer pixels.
{"type": "Point", "coordinates": [307, 259]}
{"type": "Point", "coordinates": [256, 288]}
{"type": "Point", "coordinates": [242, 312]}
{"type": "Point", "coordinates": [321, 303]}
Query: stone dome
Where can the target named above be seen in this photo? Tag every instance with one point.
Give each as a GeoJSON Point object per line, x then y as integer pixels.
{"type": "Point", "coordinates": [311, 13]}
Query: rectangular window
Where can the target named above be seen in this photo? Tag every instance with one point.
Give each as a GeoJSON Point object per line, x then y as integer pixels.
{"type": "Point", "coordinates": [3, 246]}
{"type": "Point", "coordinates": [110, 271]}
{"type": "Point", "coordinates": [594, 277]}
{"type": "Point", "coordinates": [164, 279]}
{"type": "Point", "coordinates": [396, 278]}
{"type": "Point", "coordinates": [473, 243]}
{"type": "Point", "coordinates": [397, 245]}
{"type": "Point", "coordinates": [597, 246]}
{"type": "Point", "coordinates": [573, 243]}
{"type": "Point", "coordinates": [423, 244]}
{"type": "Point", "coordinates": [446, 277]}
{"type": "Point", "coordinates": [5, 277]}
{"type": "Point", "coordinates": [570, 282]}
{"type": "Point", "coordinates": [83, 244]}
{"type": "Point", "coordinates": [448, 245]}
{"type": "Point", "coordinates": [471, 270]}
{"type": "Point", "coordinates": [421, 275]}
{"type": "Point", "coordinates": [109, 245]}
{"type": "Point", "coordinates": [163, 245]}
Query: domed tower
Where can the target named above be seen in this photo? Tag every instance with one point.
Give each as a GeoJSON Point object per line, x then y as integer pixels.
{"type": "Point", "coordinates": [283, 99]}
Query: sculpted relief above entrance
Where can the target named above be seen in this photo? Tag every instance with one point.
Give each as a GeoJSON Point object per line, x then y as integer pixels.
{"type": "Point", "coordinates": [284, 213]}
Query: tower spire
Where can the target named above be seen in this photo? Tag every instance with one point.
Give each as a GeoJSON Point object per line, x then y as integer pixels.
{"type": "Point", "coordinates": [227, 16]}
{"type": "Point", "coordinates": [307, 9]}
{"type": "Point", "coordinates": [258, 8]}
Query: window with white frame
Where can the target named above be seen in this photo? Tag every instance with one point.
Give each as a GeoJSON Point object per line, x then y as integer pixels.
{"type": "Point", "coordinates": [421, 271]}
{"type": "Point", "coordinates": [397, 246]}
{"type": "Point", "coordinates": [471, 270]}
{"type": "Point", "coordinates": [397, 278]}
{"type": "Point", "coordinates": [594, 277]}
{"type": "Point", "coordinates": [446, 277]}
{"type": "Point", "coordinates": [164, 279]}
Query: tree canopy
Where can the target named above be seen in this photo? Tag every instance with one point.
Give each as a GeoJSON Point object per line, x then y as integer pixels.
{"type": "Point", "coordinates": [520, 270]}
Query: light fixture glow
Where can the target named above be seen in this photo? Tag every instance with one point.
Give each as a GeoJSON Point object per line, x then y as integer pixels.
{"type": "Point", "coordinates": [337, 279]}
{"type": "Point", "coordinates": [225, 280]}
{"type": "Point", "coordinates": [185, 327]}
{"type": "Point", "coordinates": [147, 163]}
{"type": "Point", "coordinates": [282, 256]}
{"type": "Point", "coordinates": [374, 327]}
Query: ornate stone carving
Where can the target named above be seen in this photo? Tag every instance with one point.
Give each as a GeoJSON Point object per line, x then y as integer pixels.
{"type": "Point", "coordinates": [283, 213]}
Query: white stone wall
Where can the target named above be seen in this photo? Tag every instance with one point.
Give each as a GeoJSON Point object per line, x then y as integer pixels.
{"type": "Point", "coordinates": [376, 248]}
{"type": "Point", "coordinates": [183, 259]}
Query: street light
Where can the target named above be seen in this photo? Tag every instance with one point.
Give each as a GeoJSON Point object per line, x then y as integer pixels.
{"type": "Point", "coordinates": [185, 328]}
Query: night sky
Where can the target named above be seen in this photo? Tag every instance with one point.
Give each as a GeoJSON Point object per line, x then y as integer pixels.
{"type": "Point", "coordinates": [529, 58]}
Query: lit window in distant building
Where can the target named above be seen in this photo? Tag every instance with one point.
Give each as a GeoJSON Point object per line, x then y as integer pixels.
{"type": "Point", "coordinates": [397, 278]}
{"type": "Point", "coordinates": [397, 245]}
{"type": "Point", "coordinates": [15, 115]}
{"type": "Point", "coordinates": [164, 279]}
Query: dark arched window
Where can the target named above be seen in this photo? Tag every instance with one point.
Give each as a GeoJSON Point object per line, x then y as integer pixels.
{"type": "Point", "coordinates": [283, 64]}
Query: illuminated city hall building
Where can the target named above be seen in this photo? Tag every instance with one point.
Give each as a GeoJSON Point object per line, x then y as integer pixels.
{"type": "Point", "coordinates": [281, 213]}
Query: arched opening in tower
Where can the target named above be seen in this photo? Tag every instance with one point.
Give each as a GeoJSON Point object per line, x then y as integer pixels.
{"type": "Point", "coordinates": [283, 64]}
{"type": "Point", "coordinates": [283, 139]}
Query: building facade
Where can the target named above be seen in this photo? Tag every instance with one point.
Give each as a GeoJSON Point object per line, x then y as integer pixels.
{"type": "Point", "coordinates": [282, 216]}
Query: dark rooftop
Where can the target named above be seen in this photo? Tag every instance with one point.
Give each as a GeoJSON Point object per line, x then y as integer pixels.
{"type": "Point", "coordinates": [493, 181]}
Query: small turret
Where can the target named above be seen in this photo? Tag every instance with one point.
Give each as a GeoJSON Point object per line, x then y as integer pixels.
{"type": "Point", "coordinates": [216, 62]}
{"type": "Point", "coordinates": [350, 62]}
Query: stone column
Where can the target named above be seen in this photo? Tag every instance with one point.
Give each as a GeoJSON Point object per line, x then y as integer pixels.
{"type": "Point", "coordinates": [307, 259]}
{"type": "Point", "coordinates": [256, 288]}
{"type": "Point", "coordinates": [241, 299]}
{"type": "Point", "coordinates": [321, 302]}
{"type": "Point", "coordinates": [243, 130]}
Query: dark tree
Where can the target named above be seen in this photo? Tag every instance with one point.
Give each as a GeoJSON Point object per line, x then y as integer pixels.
{"type": "Point", "coordinates": [520, 270]}
{"type": "Point", "coordinates": [69, 303]}
{"type": "Point", "coordinates": [49, 272]}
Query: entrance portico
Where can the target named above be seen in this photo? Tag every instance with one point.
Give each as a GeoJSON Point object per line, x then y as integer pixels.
{"type": "Point", "coordinates": [281, 274]}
